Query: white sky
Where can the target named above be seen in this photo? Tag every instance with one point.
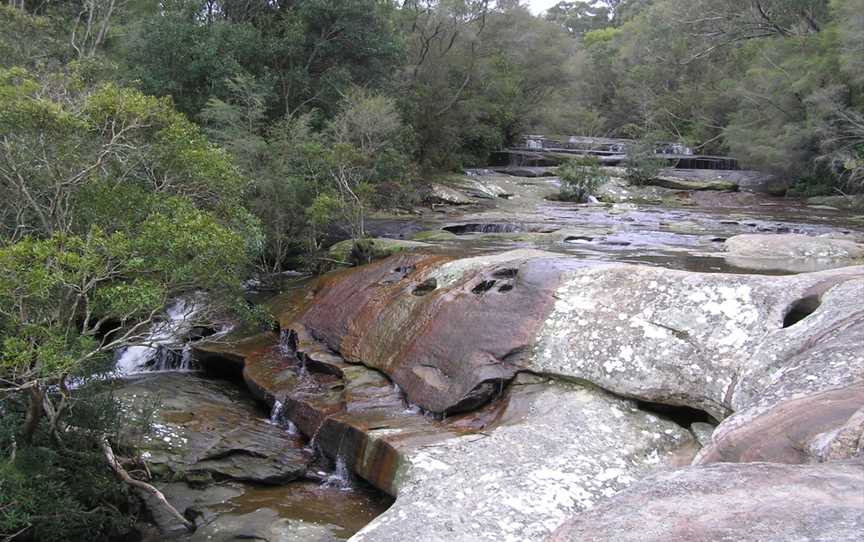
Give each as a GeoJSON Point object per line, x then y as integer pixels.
{"type": "Point", "coordinates": [540, 6]}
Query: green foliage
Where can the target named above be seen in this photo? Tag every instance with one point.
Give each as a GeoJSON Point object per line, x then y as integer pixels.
{"type": "Point", "coordinates": [581, 178]}
{"type": "Point", "coordinates": [58, 493]}
{"type": "Point", "coordinates": [643, 164]}
{"type": "Point", "coordinates": [28, 41]}
{"type": "Point", "coordinates": [304, 54]}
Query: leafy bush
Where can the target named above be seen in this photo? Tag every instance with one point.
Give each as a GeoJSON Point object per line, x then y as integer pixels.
{"type": "Point", "coordinates": [59, 491]}
{"type": "Point", "coordinates": [581, 178]}
{"type": "Point", "coordinates": [643, 164]}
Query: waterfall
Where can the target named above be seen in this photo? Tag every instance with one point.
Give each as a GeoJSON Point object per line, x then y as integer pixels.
{"type": "Point", "coordinates": [166, 346]}
{"type": "Point", "coordinates": [341, 476]}
{"type": "Point", "coordinates": [277, 418]}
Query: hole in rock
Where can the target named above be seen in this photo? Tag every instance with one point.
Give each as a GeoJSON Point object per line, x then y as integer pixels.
{"type": "Point", "coordinates": [508, 273]}
{"type": "Point", "coordinates": [801, 309]}
{"type": "Point", "coordinates": [718, 240]}
{"type": "Point", "coordinates": [483, 287]}
{"type": "Point", "coordinates": [462, 229]}
{"type": "Point", "coordinates": [616, 243]}
{"type": "Point", "coordinates": [682, 415]}
{"type": "Point", "coordinates": [505, 288]}
{"type": "Point", "coordinates": [425, 287]}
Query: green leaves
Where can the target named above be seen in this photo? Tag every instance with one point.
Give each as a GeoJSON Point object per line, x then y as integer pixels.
{"type": "Point", "coordinates": [581, 178]}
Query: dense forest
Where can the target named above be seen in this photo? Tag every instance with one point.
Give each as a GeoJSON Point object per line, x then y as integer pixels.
{"type": "Point", "coordinates": [149, 148]}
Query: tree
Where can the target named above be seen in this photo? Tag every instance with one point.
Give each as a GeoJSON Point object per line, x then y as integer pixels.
{"type": "Point", "coordinates": [54, 145]}
{"type": "Point", "coordinates": [112, 203]}
{"type": "Point", "coordinates": [580, 17]}
{"type": "Point", "coordinates": [365, 138]}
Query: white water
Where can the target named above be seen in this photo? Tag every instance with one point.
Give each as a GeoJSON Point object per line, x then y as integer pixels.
{"type": "Point", "coordinates": [341, 477]}
{"type": "Point", "coordinates": [278, 419]}
{"type": "Point", "coordinates": [157, 354]}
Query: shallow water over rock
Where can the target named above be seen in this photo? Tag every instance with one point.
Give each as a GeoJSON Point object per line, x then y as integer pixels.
{"type": "Point", "coordinates": [683, 230]}
{"type": "Point", "coordinates": [219, 459]}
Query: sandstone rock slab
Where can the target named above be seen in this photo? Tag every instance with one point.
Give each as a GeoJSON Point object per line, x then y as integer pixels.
{"type": "Point", "coordinates": [754, 502]}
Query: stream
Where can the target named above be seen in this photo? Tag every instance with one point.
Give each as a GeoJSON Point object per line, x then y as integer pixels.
{"type": "Point", "coordinates": [217, 442]}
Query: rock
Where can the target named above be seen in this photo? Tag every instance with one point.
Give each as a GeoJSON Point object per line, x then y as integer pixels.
{"type": "Point", "coordinates": [667, 336]}
{"type": "Point", "coordinates": [618, 190]}
{"type": "Point", "coordinates": [777, 359]}
{"type": "Point", "coordinates": [755, 502]}
{"type": "Point", "coordinates": [655, 334]}
{"type": "Point", "coordinates": [528, 172]}
{"type": "Point", "coordinates": [381, 248]}
{"type": "Point", "coordinates": [725, 180]}
{"type": "Point", "coordinates": [703, 432]}
{"type": "Point", "coordinates": [434, 235]}
{"type": "Point", "coordinates": [571, 448]}
{"type": "Point", "coordinates": [791, 252]}
{"type": "Point", "coordinates": [446, 195]}
{"type": "Point", "coordinates": [484, 189]}
{"type": "Point", "coordinates": [262, 524]}
{"type": "Point", "coordinates": [367, 315]}
{"type": "Point", "coordinates": [759, 182]}
{"type": "Point", "coordinates": [848, 202]}
{"type": "Point", "coordinates": [797, 401]}
{"type": "Point", "coordinates": [205, 428]}
{"type": "Point", "coordinates": [677, 179]}
{"type": "Point", "coordinates": [842, 443]}
{"type": "Point", "coordinates": [563, 445]}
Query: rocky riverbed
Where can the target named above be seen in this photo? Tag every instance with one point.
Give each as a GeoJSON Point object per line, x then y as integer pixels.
{"type": "Point", "coordinates": [524, 369]}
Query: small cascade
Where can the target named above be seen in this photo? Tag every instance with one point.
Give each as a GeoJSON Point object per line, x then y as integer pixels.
{"type": "Point", "coordinates": [276, 413]}
{"type": "Point", "coordinates": [278, 418]}
{"type": "Point", "coordinates": [160, 350]}
{"type": "Point", "coordinates": [341, 476]}
{"type": "Point", "coordinates": [286, 346]}
{"type": "Point", "coordinates": [167, 345]}
{"type": "Point", "coordinates": [479, 172]}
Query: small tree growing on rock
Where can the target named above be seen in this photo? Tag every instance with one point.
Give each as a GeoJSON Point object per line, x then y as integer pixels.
{"type": "Point", "coordinates": [581, 178]}
{"type": "Point", "coordinates": [643, 164]}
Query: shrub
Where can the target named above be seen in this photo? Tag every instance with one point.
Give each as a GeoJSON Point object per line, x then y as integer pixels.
{"type": "Point", "coordinates": [643, 164]}
{"type": "Point", "coordinates": [581, 178]}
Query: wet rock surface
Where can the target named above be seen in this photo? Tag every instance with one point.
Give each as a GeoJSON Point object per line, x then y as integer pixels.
{"type": "Point", "coordinates": [406, 317]}
{"type": "Point", "coordinates": [206, 430]}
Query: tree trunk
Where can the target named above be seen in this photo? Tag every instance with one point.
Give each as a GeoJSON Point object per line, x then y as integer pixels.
{"type": "Point", "coordinates": [144, 487]}
{"type": "Point", "coordinates": [35, 412]}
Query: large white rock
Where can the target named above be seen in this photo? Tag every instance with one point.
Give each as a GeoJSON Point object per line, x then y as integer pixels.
{"type": "Point", "coordinates": [569, 448]}
{"type": "Point", "coordinates": [669, 336]}
{"type": "Point", "coordinates": [791, 252]}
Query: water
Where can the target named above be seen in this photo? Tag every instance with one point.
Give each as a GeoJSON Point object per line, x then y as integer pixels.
{"type": "Point", "coordinates": [342, 513]}
{"type": "Point", "coordinates": [166, 346]}
{"type": "Point", "coordinates": [341, 477]}
{"type": "Point", "coordinates": [159, 350]}
{"type": "Point", "coordinates": [278, 418]}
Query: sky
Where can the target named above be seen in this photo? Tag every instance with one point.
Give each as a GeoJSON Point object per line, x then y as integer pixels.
{"type": "Point", "coordinates": [540, 6]}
